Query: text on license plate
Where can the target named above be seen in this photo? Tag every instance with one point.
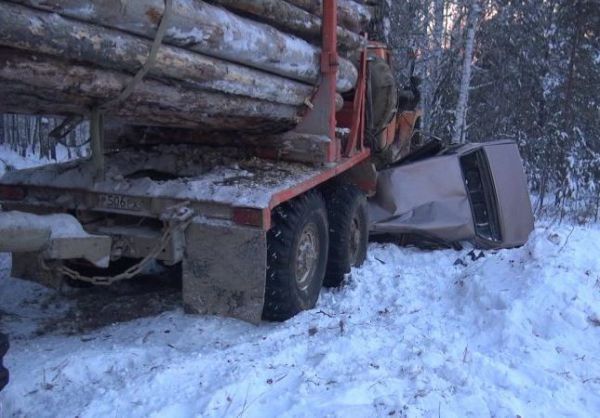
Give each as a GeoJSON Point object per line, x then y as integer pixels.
{"type": "Point", "coordinates": [112, 201]}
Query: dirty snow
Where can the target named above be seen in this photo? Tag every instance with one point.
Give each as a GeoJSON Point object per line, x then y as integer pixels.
{"type": "Point", "coordinates": [413, 333]}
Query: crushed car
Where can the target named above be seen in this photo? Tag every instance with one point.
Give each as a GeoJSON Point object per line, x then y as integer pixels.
{"type": "Point", "coordinates": [474, 192]}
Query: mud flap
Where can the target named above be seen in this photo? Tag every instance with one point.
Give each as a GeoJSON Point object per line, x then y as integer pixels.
{"type": "Point", "coordinates": [224, 270]}
{"type": "Point", "coordinates": [28, 266]}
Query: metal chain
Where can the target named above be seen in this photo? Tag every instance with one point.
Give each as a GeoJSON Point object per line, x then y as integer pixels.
{"type": "Point", "coordinates": [133, 270]}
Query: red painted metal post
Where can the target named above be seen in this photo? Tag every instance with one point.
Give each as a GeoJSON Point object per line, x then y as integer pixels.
{"type": "Point", "coordinates": [357, 129]}
{"type": "Point", "coordinates": [321, 118]}
{"type": "Point", "coordinates": [329, 58]}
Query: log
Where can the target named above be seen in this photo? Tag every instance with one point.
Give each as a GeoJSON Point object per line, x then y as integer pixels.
{"type": "Point", "coordinates": [210, 30]}
{"type": "Point", "coordinates": [289, 146]}
{"type": "Point", "coordinates": [48, 85]}
{"type": "Point", "coordinates": [292, 146]}
{"type": "Point", "coordinates": [22, 99]}
{"type": "Point", "coordinates": [290, 18]}
{"type": "Point", "coordinates": [351, 15]}
{"type": "Point", "coordinates": [73, 40]}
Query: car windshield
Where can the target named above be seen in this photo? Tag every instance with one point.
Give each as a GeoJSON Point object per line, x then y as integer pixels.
{"type": "Point", "coordinates": [481, 195]}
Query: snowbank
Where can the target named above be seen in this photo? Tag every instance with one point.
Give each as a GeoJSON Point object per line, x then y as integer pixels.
{"type": "Point", "coordinates": [11, 160]}
{"type": "Point", "coordinates": [414, 333]}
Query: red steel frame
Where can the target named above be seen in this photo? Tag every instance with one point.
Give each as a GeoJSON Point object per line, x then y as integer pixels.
{"type": "Point", "coordinates": [329, 62]}
{"type": "Point", "coordinates": [354, 151]}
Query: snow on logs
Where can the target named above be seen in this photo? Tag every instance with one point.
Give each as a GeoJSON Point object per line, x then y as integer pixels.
{"type": "Point", "coordinates": [287, 17]}
{"type": "Point", "coordinates": [351, 15]}
{"type": "Point", "coordinates": [230, 66]}
{"type": "Point", "coordinates": [203, 28]}
{"type": "Point", "coordinates": [69, 39]}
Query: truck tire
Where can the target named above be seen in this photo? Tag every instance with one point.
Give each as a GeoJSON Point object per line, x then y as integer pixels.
{"type": "Point", "coordinates": [297, 247]}
{"type": "Point", "coordinates": [348, 232]}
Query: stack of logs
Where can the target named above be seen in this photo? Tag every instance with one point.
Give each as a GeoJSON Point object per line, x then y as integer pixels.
{"type": "Point", "coordinates": [246, 65]}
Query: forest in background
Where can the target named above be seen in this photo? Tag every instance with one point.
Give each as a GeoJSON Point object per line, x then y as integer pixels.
{"type": "Point", "coordinates": [525, 70]}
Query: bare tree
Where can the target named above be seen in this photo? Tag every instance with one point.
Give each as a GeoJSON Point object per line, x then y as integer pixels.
{"type": "Point", "coordinates": [431, 82]}
{"type": "Point", "coordinates": [460, 116]}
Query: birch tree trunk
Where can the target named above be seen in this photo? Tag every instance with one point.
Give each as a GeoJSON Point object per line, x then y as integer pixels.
{"type": "Point", "coordinates": [431, 84]}
{"type": "Point", "coordinates": [459, 132]}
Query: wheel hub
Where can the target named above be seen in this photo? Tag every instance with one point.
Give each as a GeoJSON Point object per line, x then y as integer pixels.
{"type": "Point", "coordinates": [307, 256]}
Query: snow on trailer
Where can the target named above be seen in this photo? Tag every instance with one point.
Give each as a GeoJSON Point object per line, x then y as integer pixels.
{"type": "Point", "coordinates": [229, 176]}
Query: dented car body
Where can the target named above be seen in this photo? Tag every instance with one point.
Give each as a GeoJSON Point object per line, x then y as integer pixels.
{"type": "Point", "coordinates": [473, 192]}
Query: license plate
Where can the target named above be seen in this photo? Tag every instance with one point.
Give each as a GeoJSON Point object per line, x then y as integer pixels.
{"type": "Point", "coordinates": [113, 201]}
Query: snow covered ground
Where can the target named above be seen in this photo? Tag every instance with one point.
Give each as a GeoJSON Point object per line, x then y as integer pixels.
{"type": "Point", "coordinates": [414, 333]}
{"type": "Point", "coordinates": [10, 159]}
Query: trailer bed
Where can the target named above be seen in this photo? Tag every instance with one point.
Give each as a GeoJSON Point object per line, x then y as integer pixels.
{"type": "Point", "coordinates": [202, 174]}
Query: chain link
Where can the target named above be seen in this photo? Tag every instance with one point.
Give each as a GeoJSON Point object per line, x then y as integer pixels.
{"type": "Point", "coordinates": [173, 226]}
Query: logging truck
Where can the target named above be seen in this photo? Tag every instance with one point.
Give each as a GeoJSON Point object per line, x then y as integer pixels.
{"type": "Point", "coordinates": [258, 168]}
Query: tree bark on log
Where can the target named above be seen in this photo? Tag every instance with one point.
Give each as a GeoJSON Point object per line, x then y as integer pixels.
{"type": "Point", "coordinates": [290, 18]}
{"type": "Point", "coordinates": [289, 146]}
{"type": "Point", "coordinates": [23, 99]}
{"type": "Point", "coordinates": [47, 85]}
{"type": "Point", "coordinates": [351, 15]}
{"type": "Point", "coordinates": [210, 30]}
{"type": "Point", "coordinates": [72, 40]}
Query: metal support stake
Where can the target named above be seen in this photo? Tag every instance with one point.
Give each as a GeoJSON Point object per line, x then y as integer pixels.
{"type": "Point", "coordinates": [97, 135]}
{"type": "Point", "coordinates": [97, 116]}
